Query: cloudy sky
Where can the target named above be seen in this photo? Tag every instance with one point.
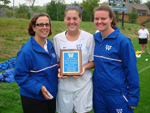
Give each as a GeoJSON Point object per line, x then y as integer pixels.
{"type": "Point", "coordinates": [42, 2]}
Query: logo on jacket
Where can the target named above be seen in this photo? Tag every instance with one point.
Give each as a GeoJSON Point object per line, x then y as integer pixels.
{"type": "Point", "coordinates": [79, 46]}
{"type": "Point", "coordinates": [70, 55]}
{"type": "Point", "coordinates": [108, 47]}
{"type": "Point", "coordinates": [53, 55]}
{"type": "Point", "coordinates": [119, 110]}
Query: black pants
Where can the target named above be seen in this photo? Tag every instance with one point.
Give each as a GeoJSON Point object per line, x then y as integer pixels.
{"type": "Point", "coordinates": [31, 105]}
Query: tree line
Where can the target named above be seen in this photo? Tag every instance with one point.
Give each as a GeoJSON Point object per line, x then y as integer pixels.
{"type": "Point", "coordinates": [55, 8]}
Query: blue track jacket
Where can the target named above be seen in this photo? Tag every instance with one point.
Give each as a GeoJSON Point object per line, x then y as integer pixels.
{"type": "Point", "coordinates": [115, 67]}
{"type": "Point", "coordinates": [36, 68]}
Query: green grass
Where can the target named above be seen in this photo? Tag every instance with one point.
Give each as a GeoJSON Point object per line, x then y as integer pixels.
{"type": "Point", "coordinates": [10, 98]}
{"type": "Point", "coordinates": [13, 34]}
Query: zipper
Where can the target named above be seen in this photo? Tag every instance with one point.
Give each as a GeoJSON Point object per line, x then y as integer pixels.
{"type": "Point", "coordinates": [125, 98]}
{"type": "Point", "coordinates": [50, 57]}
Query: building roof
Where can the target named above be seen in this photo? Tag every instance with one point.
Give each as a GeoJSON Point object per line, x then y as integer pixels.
{"type": "Point", "coordinates": [142, 7]}
{"type": "Point", "coordinates": [139, 6]}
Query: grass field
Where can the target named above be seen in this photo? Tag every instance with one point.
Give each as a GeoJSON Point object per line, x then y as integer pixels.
{"type": "Point", "coordinates": [13, 34]}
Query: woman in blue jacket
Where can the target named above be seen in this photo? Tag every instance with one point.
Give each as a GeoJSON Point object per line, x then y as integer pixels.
{"type": "Point", "coordinates": [36, 68]}
{"type": "Point", "coordinates": [115, 78]}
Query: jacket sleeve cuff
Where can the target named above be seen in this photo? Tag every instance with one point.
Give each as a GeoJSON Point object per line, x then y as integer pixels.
{"type": "Point", "coordinates": [134, 104]}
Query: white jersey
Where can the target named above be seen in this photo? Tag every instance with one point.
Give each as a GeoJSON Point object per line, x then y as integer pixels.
{"type": "Point", "coordinates": [84, 42]}
{"type": "Point", "coordinates": [143, 33]}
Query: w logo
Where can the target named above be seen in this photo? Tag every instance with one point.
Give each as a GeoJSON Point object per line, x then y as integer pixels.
{"type": "Point", "coordinates": [119, 110]}
{"type": "Point", "coordinates": [108, 47]}
{"type": "Point", "coordinates": [79, 46]}
{"type": "Point", "coordinates": [53, 55]}
{"type": "Point", "coordinates": [70, 55]}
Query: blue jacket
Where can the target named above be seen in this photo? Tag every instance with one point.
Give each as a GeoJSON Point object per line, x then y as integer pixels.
{"type": "Point", "coordinates": [33, 70]}
{"type": "Point", "coordinates": [115, 67]}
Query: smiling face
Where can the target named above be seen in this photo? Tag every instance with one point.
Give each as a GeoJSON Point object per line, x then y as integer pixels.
{"type": "Point", "coordinates": [72, 20]}
{"type": "Point", "coordinates": [102, 21]}
{"type": "Point", "coordinates": [41, 32]}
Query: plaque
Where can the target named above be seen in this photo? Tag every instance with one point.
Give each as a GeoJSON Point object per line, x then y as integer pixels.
{"type": "Point", "coordinates": [70, 61]}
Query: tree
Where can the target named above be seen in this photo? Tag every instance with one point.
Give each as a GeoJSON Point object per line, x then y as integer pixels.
{"type": "Point", "coordinates": [75, 3]}
{"type": "Point", "coordinates": [133, 16]}
{"type": "Point", "coordinates": [13, 8]}
{"type": "Point", "coordinates": [61, 12]}
{"type": "Point", "coordinates": [9, 13]}
{"type": "Point", "coordinates": [135, 1]}
{"type": "Point", "coordinates": [58, 4]}
{"type": "Point", "coordinates": [148, 4]}
{"type": "Point", "coordinates": [117, 15]}
{"type": "Point", "coordinates": [40, 9]}
{"type": "Point", "coordinates": [31, 4]}
{"type": "Point", "coordinates": [85, 16]}
{"type": "Point", "coordinates": [3, 4]}
{"type": "Point", "coordinates": [52, 10]}
{"type": "Point", "coordinates": [89, 5]}
{"type": "Point", "coordinates": [23, 11]}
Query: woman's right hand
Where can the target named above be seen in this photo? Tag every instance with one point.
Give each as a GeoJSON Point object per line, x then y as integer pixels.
{"type": "Point", "coordinates": [137, 31]}
{"type": "Point", "coordinates": [61, 76]}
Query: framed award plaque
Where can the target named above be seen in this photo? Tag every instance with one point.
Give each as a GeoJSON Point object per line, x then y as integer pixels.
{"type": "Point", "coordinates": [70, 61]}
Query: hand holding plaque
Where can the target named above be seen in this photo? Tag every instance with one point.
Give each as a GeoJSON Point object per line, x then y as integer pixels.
{"type": "Point", "coordinates": [70, 61]}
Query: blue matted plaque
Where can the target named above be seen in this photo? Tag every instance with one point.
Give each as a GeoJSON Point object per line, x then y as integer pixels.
{"type": "Point", "coordinates": [70, 61]}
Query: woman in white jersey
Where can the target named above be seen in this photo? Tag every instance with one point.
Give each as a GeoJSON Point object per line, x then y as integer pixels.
{"type": "Point", "coordinates": [75, 92]}
{"type": "Point", "coordinates": [143, 34]}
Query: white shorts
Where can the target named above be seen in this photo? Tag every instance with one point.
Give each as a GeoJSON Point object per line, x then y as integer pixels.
{"type": "Point", "coordinates": [81, 101]}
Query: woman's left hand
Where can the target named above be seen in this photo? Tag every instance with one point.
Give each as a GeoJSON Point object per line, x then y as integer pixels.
{"type": "Point", "coordinates": [45, 93]}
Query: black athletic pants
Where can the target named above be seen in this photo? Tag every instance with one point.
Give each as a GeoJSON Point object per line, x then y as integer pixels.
{"type": "Point", "coordinates": [31, 105]}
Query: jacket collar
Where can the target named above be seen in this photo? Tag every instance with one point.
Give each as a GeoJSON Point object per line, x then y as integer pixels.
{"type": "Point", "coordinates": [114, 34]}
{"type": "Point", "coordinates": [37, 47]}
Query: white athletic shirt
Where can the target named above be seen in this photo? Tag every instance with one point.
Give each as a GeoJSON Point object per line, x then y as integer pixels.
{"type": "Point", "coordinates": [84, 42]}
{"type": "Point", "coordinates": [45, 46]}
{"type": "Point", "coordinates": [143, 33]}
